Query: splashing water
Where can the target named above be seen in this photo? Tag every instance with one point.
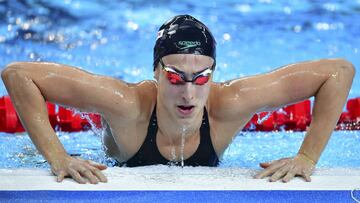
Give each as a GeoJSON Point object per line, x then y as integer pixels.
{"type": "Point", "coordinates": [97, 132]}
{"type": "Point", "coordinates": [182, 146]}
{"type": "Point", "coordinates": [173, 154]}
{"type": "Point", "coordinates": [93, 128]}
{"type": "Point", "coordinates": [261, 120]}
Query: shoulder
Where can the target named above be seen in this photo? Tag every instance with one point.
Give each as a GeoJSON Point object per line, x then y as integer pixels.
{"type": "Point", "coordinates": [147, 93]}
{"type": "Point", "coordinates": [228, 100]}
{"type": "Point", "coordinates": [146, 89]}
{"type": "Point", "coordinates": [127, 100]}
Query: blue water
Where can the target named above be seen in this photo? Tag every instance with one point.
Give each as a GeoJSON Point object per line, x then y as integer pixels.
{"type": "Point", "coordinates": [247, 150]}
{"type": "Point", "coordinates": [116, 38]}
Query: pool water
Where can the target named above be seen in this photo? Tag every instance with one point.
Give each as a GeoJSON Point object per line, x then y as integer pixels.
{"type": "Point", "coordinates": [246, 151]}
{"type": "Point", "coordinates": [116, 38]}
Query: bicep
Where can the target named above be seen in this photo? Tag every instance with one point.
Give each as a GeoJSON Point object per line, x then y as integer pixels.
{"type": "Point", "coordinates": [286, 85]}
{"type": "Point", "coordinates": [74, 87]}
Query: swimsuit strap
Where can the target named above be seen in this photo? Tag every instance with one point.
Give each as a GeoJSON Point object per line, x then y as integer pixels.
{"type": "Point", "coordinates": [149, 153]}
{"type": "Point", "coordinates": [205, 154]}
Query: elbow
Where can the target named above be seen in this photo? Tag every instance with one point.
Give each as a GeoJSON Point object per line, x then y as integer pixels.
{"type": "Point", "coordinates": [11, 70]}
{"type": "Point", "coordinates": [345, 67]}
{"type": "Point", "coordinates": [338, 66]}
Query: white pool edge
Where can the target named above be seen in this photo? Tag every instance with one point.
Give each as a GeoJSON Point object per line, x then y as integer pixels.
{"type": "Point", "coordinates": [188, 178]}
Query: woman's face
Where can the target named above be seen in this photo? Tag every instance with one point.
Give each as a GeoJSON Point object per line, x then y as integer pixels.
{"type": "Point", "coordinates": [184, 101]}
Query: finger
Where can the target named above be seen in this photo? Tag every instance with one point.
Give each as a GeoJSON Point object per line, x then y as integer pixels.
{"type": "Point", "coordinates": [101, 166]}
{"type": "Point", "coordinates": [269, 170]}
{"type": "Point", "coordinates": [99, 175]}
{"type": "Point", "coordinates": [264, 164]}
{"type": "Point", "coordinates": [279, 173]}
{"type": "Point", "coordinates": [76, 176]}
{"type": "Point", "coordinates": [97, 165]}
{"type": "Point", "coordinates": [60, 176]}
{"type": "Point", "coordinates": [89, 175]}
{"type": "Point", "coordinates": [306, 177]}
{"type": "Point", "coordinates": [267, 164]}
{"type": "Point", "coordinates": [290, 175]}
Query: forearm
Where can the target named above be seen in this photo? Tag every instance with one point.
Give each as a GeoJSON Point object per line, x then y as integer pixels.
{"type": "Point", "coordinates": [31, 108]}
{"type": "Point", "coordinates": [328, 105]}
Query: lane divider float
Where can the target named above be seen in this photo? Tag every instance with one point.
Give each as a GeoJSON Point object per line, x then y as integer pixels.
{"type": "Point", "coordinates": [296, 117]}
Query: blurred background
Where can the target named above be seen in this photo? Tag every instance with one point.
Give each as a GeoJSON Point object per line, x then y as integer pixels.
{"type": "Point", "coordinates": [116, 38]}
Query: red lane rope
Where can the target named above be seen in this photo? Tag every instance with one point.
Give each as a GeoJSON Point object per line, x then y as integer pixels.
{"type": "Point", "coordinates": [296, 117]}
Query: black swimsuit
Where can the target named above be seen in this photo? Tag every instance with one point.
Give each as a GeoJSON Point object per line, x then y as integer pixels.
{"type": "Point", "coordinates": [149, 153]}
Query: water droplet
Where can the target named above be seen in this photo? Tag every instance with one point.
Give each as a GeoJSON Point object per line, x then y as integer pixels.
{"type": "Point", "coordinates": [261, 120]}
{"type": "Point", "coordinates": [287, 10]}
{"type": "Point", "coordinates": [226, 36]}
{"type": "Point", "coordinates": [132, 25]}
{"type": "Point", "coordinates": [297, 28]}
{"type": "Point", "coordinates": [2, 39]}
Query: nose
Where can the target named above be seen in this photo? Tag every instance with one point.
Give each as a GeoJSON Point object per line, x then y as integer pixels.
{"type": "Point", "coordinates": [188, 92]}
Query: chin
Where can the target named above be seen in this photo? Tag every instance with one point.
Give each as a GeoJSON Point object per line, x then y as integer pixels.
{"type": "Point", "coordinates": [185, 122]}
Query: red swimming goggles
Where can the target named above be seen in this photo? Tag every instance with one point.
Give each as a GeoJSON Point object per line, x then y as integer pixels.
{"type": "Point", "coordinates": [177, 77]}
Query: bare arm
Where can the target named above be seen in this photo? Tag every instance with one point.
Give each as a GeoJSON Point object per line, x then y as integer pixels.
{"type": "Point", "coordinates": [328, 80]}
{"type": "Point", "coordinates": [31, 84]}
{"type": "Point", "coordinates": [329, 101]}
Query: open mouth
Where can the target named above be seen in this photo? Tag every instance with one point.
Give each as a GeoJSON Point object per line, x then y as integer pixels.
{"type": "Point", "coordinates": [186, 107]}
{"type": "Point", "coordinates": [185, 110]}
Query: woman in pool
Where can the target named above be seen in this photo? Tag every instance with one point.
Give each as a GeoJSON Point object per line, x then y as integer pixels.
{"type": "Point", "coordinates": [183, 117]}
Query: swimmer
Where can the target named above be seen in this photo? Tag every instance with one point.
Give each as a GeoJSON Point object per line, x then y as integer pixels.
{"type": "Point", "coordinates": [183, 116]}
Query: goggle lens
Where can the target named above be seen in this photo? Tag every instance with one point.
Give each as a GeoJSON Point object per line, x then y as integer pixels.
{"type": "Point", "coordinates": [201, 80]}
{"type": "Point", "coordinates": [177, 78]}
{"type": "Point", "coordinates": [174, 78]}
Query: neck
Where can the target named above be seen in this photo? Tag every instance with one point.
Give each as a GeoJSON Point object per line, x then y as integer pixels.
{"type": "Point", "coordinates": [175, 130]}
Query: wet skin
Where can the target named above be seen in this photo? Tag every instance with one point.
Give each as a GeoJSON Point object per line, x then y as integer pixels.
{"type": "Point", "coordinates": [127, 109]}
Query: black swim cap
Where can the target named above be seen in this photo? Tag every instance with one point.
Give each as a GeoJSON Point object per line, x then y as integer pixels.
{"type": "Point", "coordinates": [183, 34]}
